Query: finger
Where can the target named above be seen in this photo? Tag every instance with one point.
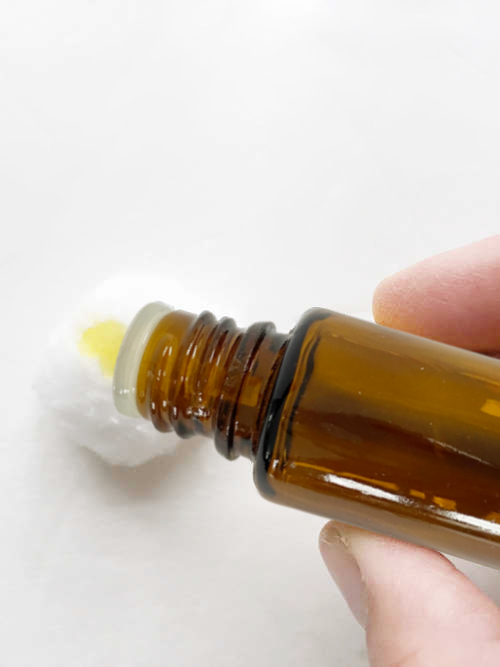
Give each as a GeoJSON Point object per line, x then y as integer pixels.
{"type": "Point", "coordinates": [452, 297]}
{"type": "Point", "coordinates": [417, 608]}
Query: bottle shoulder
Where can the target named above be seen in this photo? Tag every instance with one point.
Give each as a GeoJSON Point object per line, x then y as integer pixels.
{"type": "Point", "coordinates": [282, 387]}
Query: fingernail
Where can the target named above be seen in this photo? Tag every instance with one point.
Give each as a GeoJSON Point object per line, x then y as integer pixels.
{"type": "Point", "coordinates": [342, 565]}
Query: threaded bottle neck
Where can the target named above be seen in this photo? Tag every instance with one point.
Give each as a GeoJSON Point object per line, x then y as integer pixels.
{"type": "Point", "coordinates": [201, 376]}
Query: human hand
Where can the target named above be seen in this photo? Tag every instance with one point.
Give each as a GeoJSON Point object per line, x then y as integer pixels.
{"type": "Point", "coordinates": [417, 609]}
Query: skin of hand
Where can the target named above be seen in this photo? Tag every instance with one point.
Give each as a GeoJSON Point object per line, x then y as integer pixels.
{"type": "Point", "coordinates": [417, 609]}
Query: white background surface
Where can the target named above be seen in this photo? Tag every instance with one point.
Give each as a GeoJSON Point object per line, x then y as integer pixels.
{"type": "Point", "coordinates": [272, 155]}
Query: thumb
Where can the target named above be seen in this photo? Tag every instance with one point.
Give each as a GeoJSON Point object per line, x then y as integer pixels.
{"type": "Point", "coordinates": [416, 607]}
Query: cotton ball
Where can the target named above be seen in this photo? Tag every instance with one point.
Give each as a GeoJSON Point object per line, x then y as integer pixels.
{"type": "Point", "coordinates": [76, 389]}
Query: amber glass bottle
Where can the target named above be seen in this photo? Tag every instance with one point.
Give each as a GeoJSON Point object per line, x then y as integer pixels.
{"type": "Point", "coordinates": [341, 417]}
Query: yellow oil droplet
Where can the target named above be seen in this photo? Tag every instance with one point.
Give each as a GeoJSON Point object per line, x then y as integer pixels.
{"type": "Point", "coordinates": [102, 341]}
{"type": "Point", "coordinates": [417, 494]}
{"type": "Point", "coordinates": [493, 516]}
{"type": "Point", "coordinates": [491, 407]}
{"type": "Point", "coordinates": [445, 503]}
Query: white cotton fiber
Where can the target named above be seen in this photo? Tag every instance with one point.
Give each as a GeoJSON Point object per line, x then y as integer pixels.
{"type": "Point", "coordinates": [78, 396]}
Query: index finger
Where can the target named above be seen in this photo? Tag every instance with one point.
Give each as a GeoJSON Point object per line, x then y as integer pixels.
{"type": "Point", "coordinates": [453, 297]}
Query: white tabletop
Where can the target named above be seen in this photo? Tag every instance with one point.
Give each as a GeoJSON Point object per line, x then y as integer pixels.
{"type": "Point", "coordinates": [271, 155]}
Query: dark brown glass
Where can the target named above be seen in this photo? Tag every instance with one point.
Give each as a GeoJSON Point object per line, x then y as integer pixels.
{"type": "Point", "coordinates": [343, 418]}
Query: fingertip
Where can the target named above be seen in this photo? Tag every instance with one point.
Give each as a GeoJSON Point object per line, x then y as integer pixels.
{"type": "Point", "coordinates": [329, 535]}
{"type": "Point", "coordinates": [383, 302]}
{"type": "Point", "coordinates": [451, 297]}
{"type": "Point", "coordinates": [407, 597]}
{"type": "Point", "coordinates": [344, 569]}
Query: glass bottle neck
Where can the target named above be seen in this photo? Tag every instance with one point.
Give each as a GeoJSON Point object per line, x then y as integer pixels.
{"type": "Point", "coordinates": [202, 376]}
